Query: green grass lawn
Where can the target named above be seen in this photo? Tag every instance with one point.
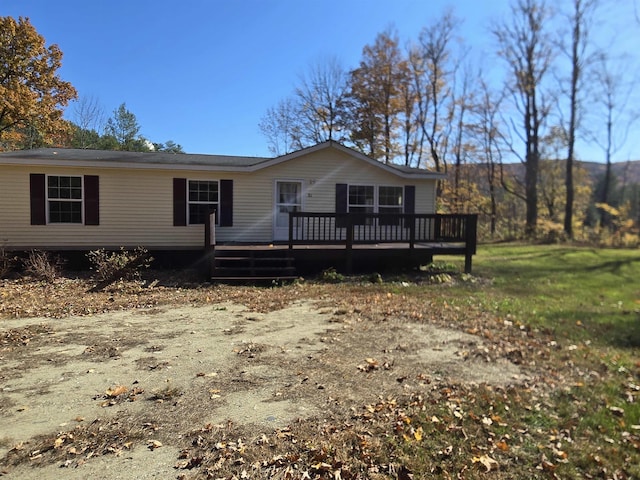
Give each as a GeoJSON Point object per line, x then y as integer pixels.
{"type": "Point", "coordinates": [577, 293]}
{"type": "Point", "coordinates": [584, 305]}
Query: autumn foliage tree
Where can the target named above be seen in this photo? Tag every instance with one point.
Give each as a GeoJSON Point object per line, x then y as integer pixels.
{"type": "Point", "coordinates": [376, 97]}
{"type": "Point", "coordinates": [32, 94]}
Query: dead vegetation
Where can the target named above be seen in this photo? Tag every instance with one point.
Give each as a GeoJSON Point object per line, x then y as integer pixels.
{"type": "Point", "coordinates": [379, 417]}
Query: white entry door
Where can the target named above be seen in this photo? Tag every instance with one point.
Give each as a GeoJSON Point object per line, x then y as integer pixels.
{"type": "Point", "coordinates": [288, 198]}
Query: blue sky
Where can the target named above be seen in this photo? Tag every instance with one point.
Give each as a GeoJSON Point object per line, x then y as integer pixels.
{"type": "Point", "coordinates": [203, 72]}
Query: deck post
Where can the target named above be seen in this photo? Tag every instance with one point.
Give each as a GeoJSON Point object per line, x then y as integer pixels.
{"type": "Point", "coordinates": [470, 241]}
{"type": "Point", "coordinates": [349, 245]}
{"type": "Point", "coordinates": [210, 242]}
{"type": "Point", "coordinates": [412, 231]}
{"type": "Point", "coordinates": [290, 230]}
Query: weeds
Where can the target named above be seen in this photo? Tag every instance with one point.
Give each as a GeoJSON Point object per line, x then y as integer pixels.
{"type": "Point", "coordinates": [7, 262]}
{"type": "Point", "coordinates": [43, 266]}
{"type": "Point", "coordinates": [119, 265]}
{"type": "Point", "coordinates": [330, 275]}
{"type": "Point", "coordinates": [124, 264]}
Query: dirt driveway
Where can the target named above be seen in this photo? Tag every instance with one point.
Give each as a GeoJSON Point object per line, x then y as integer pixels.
{"type": "Point", "coordinates": [120, 394]}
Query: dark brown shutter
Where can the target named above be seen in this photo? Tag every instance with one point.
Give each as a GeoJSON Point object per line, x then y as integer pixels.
{"type": "Point", "coordinates": [226, 203]}
{"type": "Point", "coordinates": [409, 199]}
{"type": "Point", "coordinates": [38, 195]}
{"type": "Point", "coordinates": [342, 194]}
{"type": "Point", "coordinates": [179, 202]}
{"type": "Point", "coordinates": [91, 200]}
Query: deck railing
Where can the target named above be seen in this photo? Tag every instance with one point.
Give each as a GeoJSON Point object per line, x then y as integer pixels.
{"type": "Point", "coordinates": [350, 229]}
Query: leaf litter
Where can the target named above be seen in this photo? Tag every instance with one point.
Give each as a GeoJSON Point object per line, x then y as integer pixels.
{"type": "Point", "coordinates": [380, 409]}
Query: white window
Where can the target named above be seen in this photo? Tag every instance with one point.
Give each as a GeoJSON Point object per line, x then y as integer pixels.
{"type": "Point", "coordinates": [390, 199]}
{"type": "Point", "coordinates": [375, 199]}
{"type": "Point", "coordinates": [203, 198]}
{"type": "Point", "coordinates": [64, 199]}
{"type": "Point", "coordinates": [361, 199]}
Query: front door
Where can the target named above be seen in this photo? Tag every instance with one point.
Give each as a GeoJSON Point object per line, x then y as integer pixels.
{"type": "Point", "coordinates": [288, 198]}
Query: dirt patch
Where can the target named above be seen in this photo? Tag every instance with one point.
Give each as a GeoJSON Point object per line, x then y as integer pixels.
{"type": "Point", "coordinates": [159, 374]}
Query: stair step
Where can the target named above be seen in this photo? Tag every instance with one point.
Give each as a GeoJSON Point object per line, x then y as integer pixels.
{"type": "Point", "coordinates": [256, 269]}
{"type": "Point", "coordinates": [279, 278]}
{"type": "Point", "coordinates": [255, 259]}
{"type": "Point", "coordinates": [252, 265]}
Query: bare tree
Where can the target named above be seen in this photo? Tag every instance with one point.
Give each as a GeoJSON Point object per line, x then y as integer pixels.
{"type": "Point", "coordinates": [487, 130]}
{"type": "Point", "coordinates": [89, 116]}
{"type": "Point", "coordinates": [579, 18]}
{"type": "Point", "coordinates": [410, 129]}
{"type": "Point", "coordinates": [279, 125]}
{"type": "Point", "coordinates": [613, 93]}
{"type": "Point", "coordinates": [527, 49]}
{"type": "Point", "coordinates": [463, 98]}
{"type": "Point", "coordinates": [431, 62]}
{"type": "Point", "coordinates": [320, 97]}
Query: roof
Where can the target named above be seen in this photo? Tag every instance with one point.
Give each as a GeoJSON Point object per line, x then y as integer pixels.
{"type": "Point", "coordinates": [155, 158]}
{"type": "Point", "coordinates": [186, 161]}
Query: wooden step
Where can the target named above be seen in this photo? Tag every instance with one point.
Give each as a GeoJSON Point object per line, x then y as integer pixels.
{"type": "Point", "coordinates": [249, 279]}
{"type": "Point", "coordinates": [254, 259]}
{"type": "Point", "coordinates": [236, 265]}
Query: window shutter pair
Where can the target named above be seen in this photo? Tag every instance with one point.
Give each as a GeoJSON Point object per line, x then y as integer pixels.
{"type": "Point", "coordinates": [225, 215]}
{"type": "Point", "coordinates": [38, 194]}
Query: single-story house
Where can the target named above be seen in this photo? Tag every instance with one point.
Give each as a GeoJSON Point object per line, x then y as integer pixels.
{"type": "Point", "coordinates": [71, 199]}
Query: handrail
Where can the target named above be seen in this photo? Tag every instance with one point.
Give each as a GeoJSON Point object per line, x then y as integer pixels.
{"type": "Point", "coordinates": [325, 228]}
{"type": "Point", "coordinates": [349, 229]}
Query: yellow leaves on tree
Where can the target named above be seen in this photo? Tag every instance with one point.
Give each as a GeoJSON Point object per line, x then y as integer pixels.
{"type": "Point", "coordinates": [32, 94]}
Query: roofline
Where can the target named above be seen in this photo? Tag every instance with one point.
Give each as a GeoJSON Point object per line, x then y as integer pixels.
{"type": "Point", "coordinates": [111, 164]}
{"type": "Point", "coordinates": [108, 159]}
{"type": "Point", "coordinates": [261, 163]}
{"type": "Point", "coordinates": [421, 174]}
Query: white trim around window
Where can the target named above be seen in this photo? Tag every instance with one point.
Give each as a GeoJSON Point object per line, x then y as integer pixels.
{"type": "Point", "coordinates": [375, 198]}
{"type": "Point", "coordinates": [202, 196]}
{"type": "Point", "coordinates": [64, 199]}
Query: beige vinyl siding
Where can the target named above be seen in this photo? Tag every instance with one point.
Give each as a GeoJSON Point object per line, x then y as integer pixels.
{"type": "Point", "coordinates": [321, 171]}
{"type": "Point", "coordinates": [15, 213]}
{"type": "Point", "coordinates": [136, 208]}
{"type": "Point", "coordinates": [136, 205]}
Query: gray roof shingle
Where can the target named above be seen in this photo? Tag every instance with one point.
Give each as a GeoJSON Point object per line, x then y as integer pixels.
{"type": "Point", "coordinates": [159, 158]}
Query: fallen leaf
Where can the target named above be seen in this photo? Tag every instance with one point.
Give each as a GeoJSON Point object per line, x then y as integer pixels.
{"type": "Point", "coordinates": [617, 411]}
{"type": "Point", "coordinates": [502, 446]}
{"type": "Point", "coordinates": [153, 444]}
{"type": "Point", "coordinates": [116, 391]}
{"type": "Point", "coordinates": [488, 462]}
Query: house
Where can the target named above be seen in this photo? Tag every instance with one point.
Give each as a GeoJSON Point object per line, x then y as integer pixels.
{"type": "Point", "coordinates": [65, 199]}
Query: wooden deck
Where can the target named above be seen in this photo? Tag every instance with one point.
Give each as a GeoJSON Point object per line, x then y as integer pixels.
{"type": "Point", "coordinates": [346, 242]}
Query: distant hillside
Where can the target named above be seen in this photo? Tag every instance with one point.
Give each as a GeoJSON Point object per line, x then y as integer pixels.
{"type": "Point", "coordinates": [628, 172]}
{"type": "Point", "coordinates": [624, 172]}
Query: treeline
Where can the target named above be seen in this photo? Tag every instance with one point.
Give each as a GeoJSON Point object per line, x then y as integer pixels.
{"type": "Point", "coordinates": [430, 102]}
{"type": "Point", "coordinates": [33, 98]}
{"type": "Point", "coordinates": [90, 128]}
{"type": "Point", "coordinates": [502, 214]}
{"type": "Point", "coordinates": [121, 131]}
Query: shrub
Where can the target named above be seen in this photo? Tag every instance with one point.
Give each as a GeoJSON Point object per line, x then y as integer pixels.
{"type": "Point", "coordinates": [330, 275]}
{"type": "Point", "coordinates": [376, 278]}
{"type": "Point", "coordinates": [7, 262]}
{"type": "Point", "coordinates": [439, 267]}
{"type": "Point", "coordinates": [43, 266]}
{"type": "Point", "coordinates": [123, 264]}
